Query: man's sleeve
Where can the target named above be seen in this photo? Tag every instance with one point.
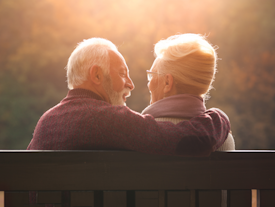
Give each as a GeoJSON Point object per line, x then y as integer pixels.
{"type": "Point", "coordinates": [197, 137]}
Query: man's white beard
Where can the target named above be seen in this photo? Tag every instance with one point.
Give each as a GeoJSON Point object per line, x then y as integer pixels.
{"type": "Point", "coordinates": [116, 98]}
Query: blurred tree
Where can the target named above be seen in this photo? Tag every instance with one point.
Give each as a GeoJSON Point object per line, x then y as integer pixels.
{"type": "Point", "coordinates": [29, 81]}
{"type": "Point", "coordinates": [245, 82]}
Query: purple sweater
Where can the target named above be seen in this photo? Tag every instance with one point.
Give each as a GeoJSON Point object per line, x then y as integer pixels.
{"type": "Point", "coordinates": [83, 121]}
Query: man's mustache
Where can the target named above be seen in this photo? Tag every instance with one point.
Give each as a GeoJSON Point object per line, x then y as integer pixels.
{"type": "Point", "coordinates": [127, 92]}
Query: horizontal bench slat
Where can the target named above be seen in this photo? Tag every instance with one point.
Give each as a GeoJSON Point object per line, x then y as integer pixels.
{"type": "Point", "coordinates": [116, 170]}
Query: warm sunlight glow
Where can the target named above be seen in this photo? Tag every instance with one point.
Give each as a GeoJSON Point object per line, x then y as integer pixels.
{"type": "Point", "coordinates": [38, 36]}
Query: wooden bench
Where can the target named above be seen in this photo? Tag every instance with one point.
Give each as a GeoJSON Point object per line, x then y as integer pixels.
{"type": "Point", "coordinates": [131, 179]}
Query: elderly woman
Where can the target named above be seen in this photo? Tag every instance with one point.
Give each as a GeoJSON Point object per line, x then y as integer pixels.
{"type": "Point", "coordinates": [180, 78]}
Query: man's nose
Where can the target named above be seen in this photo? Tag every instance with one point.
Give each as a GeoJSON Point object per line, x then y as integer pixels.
{"type": "Point", "coordinates": [130, 84]}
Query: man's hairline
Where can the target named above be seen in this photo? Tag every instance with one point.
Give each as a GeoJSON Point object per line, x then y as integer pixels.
{"type": "Point", "coordinates": [109, 58]}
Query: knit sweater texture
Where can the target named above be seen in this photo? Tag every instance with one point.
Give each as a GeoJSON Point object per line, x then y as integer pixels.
{"type": "Point", "coordinates": [83, 121]}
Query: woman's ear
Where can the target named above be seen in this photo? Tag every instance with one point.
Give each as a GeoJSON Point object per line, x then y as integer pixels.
{"type": "Point", "coordinates": [169, 82]}
{"type": "Point", "coordinates": [96, 74]}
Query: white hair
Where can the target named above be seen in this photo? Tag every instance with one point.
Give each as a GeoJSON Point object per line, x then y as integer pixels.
{"type": "Point", "coordinates": [190, 59]}
{"type": "Point", "coordinates": [94, 51]}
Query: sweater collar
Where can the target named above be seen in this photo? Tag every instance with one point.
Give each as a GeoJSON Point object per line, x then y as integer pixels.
{"type": "Point", "coordinates": [178, 106]}
{"type": "Point", "coordinates": [83, 93]}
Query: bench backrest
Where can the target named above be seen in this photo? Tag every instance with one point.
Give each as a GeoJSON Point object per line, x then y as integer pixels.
{"type": "Point", "coordinates": [131, 179]}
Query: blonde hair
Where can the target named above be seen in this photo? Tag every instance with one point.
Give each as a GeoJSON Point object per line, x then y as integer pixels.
{"type": "Point", "coordinates": [190, 59]}
{"type": "Point", "coordinates": [94, 51]}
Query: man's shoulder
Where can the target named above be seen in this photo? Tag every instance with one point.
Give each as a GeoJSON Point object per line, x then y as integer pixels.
{"type": "Point", "coordinates": [78, 104]}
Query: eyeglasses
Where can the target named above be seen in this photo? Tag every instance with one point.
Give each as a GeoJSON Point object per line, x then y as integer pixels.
{"type": "Point", "coordinates": [150, 74]}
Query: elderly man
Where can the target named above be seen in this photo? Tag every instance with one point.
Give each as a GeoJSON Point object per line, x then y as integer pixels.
{"type": "Point", "coordinates": [92, 115]}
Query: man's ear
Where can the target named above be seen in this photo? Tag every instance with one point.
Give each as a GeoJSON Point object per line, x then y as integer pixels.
{"type": "Point", "coordinates": [96, 74]}
{"type": "Point", "coordinates": [169, 81]}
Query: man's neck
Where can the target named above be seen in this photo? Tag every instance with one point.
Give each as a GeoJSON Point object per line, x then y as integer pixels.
{"type": "Point", "coordinates": [97, 90]}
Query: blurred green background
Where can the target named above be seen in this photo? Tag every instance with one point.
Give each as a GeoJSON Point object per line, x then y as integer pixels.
{"type": "Point", "coordinates": [37, 37]}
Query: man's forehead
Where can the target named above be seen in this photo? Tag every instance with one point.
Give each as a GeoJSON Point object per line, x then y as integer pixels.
{"type": "Point", "coordinates": [116, 59]}
{"type": "Point", "coordinates": [116, 56]}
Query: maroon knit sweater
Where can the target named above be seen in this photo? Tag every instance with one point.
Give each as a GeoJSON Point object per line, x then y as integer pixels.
{"type": "Point", "coordinates": [83, 121]}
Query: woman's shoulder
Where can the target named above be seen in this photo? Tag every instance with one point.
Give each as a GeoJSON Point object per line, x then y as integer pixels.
{"type": "Point", "coordinates": [229, 143]}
